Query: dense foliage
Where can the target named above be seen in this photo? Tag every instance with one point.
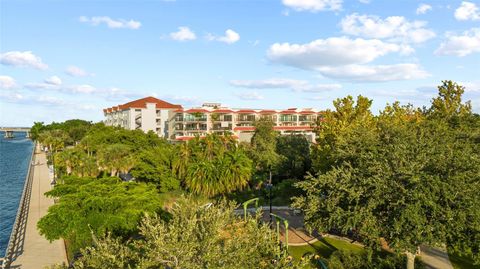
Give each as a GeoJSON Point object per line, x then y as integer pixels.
{"type": "Point", "coordinates": [198, 235]}
{"type": "Point", "coordinates": [213, 165]}
{"type": "Point", "coordinates": [72, 130]}
{"type": "Point", "coordinates": [405, 177]}
{"type": "Point", "coordinates": [408, 176]}
{"type": "Point", "coordinates": [86, 205]}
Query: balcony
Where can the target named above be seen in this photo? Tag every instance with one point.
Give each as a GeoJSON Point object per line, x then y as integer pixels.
{"type": "Point", "coordinates": [308, 118]}
{"type": "Point", "coordinates": [288, 118]}
{"type": "Point", "coordinates": [246, 118]}
{"type": "Point", "coordinates": [194, 118]}
{"type": "Point", "coordinates": [222, 126]}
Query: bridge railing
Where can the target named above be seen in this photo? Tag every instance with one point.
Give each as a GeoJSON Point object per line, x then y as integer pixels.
{"type": "Point", "coordinates": [21, 214]}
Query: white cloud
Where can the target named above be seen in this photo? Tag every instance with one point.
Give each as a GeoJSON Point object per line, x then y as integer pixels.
{"type": "Point", "coordinates": [394, 28]}
{"type": "Point", "coordinates": [471, 87]}
{"type": "Point", "coordinates": [313, 5]}
{"type": "Point", "coordinates": [460, 45]}
{"type": "Point", "coordinates": [7, 82]}
{"type": "Point", "coordinates": [111, 23]}
{"type": "Point", "coordinates": [50, 100]}
{"type": "Point", "coordinates": [334, 51]}
{"type": "Point", "coordinates": [22, 59]}
{"type": "Point", "coordinates": [467, 11]}
{"type": "Point", "coordinates": [364, 1]}
{"type": "Point", "coordinates": [423, 8]}
{"type": "Point", "coordinates": [249, 96]}
{"type": "Point", "coordinates": [374, 73]}
{"type": "Point", "coordinates": [82, 89]}
{"type": "Point", "coordinates": [345, 59]}
{"type": "Point", "coordinates": [230, 37]}
{"type": "Point", "coordinates": [53, 80]}
{"type": "Point", "coordinates": [13, 97]}
{"type": "Point", "coordinates": [282, 83]}
{"type": "Point", "coordinates": [184, 34]}
{"type": "Point", "coordinates": [75, 71]}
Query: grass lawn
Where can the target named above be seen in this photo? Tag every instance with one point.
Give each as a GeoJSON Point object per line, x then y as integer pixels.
{"type": "Point", "coordinates": [324, 247]}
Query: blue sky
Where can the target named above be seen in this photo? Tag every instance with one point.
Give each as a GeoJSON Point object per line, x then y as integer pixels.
{"type": "Point", "coordinates": [69, 59]}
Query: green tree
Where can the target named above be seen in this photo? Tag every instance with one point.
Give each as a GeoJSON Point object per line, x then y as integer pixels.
{"type": "Point", "coordinates": [401, 177]}
{"type": "Point", "coordinates": [449, 104]}
{"type": "Point", "coordinates": [336, 125]}
{"type": "Point", "coordinates": [197, 236]}
{"type": "Point", "coordinates": [213, 165]}
{"type": "Point", "coordinates": [156, 165]}
{"type": "Point", "coordinates": [115, 158]}
{"type": "Point", "coordinates": [296, 161]}
{"type": "Point", "coordinates": [103, 205]}
{"type": "Point", "coordinates": [263, 146]}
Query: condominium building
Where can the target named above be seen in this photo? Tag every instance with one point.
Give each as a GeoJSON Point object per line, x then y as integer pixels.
{"type": "Point", "coordinates": [146, 114]}
{"type": "Point", "coordinates": [178, 124]}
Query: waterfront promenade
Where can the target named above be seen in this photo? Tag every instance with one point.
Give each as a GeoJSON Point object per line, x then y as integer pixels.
{"type": "Point", "coordinates": [34, 251]}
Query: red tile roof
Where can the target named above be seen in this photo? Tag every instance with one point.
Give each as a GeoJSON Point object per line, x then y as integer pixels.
{"type": "Point", "coordinates": [288, 112]}
{"type": "Point", "coordinates": [307, 112]}
{"type": "Point", "coordinates": [266, 111]}
{"type": "Point", "coordinates": [246, 111]}
{"type": "Point", "coordinates": [244, 128]}
{"type": "Point", "coordinates": [142, 103]}
{"type": "Point", "coordinates": [197, 110]}
{"type": "Point", "coordinates": [292, 128]}
{"type": "Point", "coordinates": [223, 111]}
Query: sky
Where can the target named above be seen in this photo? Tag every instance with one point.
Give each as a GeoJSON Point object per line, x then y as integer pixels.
{"type": "Point", "coordinates": [70, 59]}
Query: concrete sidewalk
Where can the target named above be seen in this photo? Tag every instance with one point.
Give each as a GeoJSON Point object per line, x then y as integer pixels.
{"type": "Point", "coordinates": [33, 251]}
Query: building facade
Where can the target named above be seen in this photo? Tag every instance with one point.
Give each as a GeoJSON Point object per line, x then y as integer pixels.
{"type": "Point", "coordinates": [178, 124]}
{"type": "Point", "coordinates": [146, 114]}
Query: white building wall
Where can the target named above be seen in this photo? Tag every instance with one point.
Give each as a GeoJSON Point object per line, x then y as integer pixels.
{"type": "Point", "coordinates": [131, 119]}
{"type": "Point", "coordinates": [163, 123]}
{"type": "Point", "coordinates": [149, 116]}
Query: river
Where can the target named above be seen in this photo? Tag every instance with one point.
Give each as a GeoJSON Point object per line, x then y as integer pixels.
{"type": "Point", "coordinates": [14, 160]}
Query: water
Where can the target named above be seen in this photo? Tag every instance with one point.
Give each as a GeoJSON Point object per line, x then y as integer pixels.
{"type": "Point", "coordinates": [14, 160]}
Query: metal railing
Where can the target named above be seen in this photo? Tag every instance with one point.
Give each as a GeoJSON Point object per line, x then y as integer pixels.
{"type": "Point", "coordinates": [20, 219]}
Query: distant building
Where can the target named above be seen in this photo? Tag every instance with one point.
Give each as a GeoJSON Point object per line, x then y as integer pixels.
{"type": "Point", "coordinates": [146, 114]}
{"type": "Point", "coordinates": [176, 123]}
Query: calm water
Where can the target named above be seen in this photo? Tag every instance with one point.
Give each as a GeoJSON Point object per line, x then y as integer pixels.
{"type": "Point", "coordinates": [14, 159]}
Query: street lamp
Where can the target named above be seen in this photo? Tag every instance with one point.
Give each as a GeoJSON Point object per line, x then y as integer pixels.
{"type": "Point", "coordinates": [269, 187]}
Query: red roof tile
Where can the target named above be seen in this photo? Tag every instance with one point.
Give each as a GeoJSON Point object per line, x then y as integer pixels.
{"type": "Point", "coordinates": [266, 111]}
{"type": "Point", "coordinates": [244, 128]}
{"type": "Point", "coordinates": [197, 110]}
{"type": "Point", "coordinates": [223, 111]}
{"type": "Point", "coordinates": [142, 103]}
{"type": "Point", "coordinates": [246, 111]}
{"type": "Point", "coordinates": [288, 112]}
{"type": "Point", "coordinates": [292, 128]}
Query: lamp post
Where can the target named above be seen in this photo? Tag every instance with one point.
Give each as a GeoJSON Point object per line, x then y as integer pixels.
{"type": "Point", "coordinates": [269, 188]}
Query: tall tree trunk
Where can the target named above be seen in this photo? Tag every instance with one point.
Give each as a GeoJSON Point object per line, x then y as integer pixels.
{"type": "Point", "coordinates": [410, 260]}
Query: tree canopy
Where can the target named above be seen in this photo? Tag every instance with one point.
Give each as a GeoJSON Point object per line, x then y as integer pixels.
{"type": "Point", "coordinates": [404, 176]}
{"type": "Point", "coordinates": [198, 235]}
{"type": "Point", "coordinates": [87, 205]}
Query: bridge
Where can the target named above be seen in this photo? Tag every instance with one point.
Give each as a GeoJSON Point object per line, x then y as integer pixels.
{"type": "Point", "coordinates": [10, 130]}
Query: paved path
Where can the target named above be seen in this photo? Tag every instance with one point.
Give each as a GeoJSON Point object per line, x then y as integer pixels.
{"type": "Point", "coordinates": [34, 251]}
{"type": "Point", "coordinates": [435, 258]}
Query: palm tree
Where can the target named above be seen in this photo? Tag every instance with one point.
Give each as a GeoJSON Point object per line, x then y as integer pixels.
{"type": "Point", "coordinates": [111, 158]}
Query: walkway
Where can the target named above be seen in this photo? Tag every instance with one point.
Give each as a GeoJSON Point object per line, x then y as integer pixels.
{"type": "Point", "coordinates": [34, 251]}
{"type": "Point", "coordinates": [432, 258]}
